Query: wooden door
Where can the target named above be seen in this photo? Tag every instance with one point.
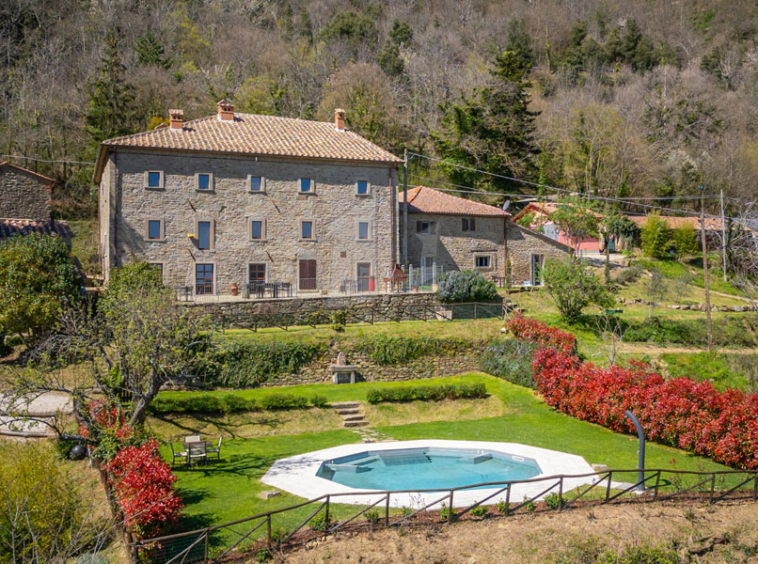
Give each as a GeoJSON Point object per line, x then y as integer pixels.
{"type": "Point", "coordinates": [307, 274]}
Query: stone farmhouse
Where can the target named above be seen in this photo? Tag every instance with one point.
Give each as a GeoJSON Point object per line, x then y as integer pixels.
{"type": "Point", "coordinates": [459, 234]}
{"type": "Point", "coordinates": [26, 206]}
{"type": "Point", "coordinates": [244, 203]}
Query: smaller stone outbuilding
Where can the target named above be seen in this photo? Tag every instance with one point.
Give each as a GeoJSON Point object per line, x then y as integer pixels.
{"type": "Point", "coordinates": [452, 233]}
{"type": "Point", "coordinates": [24, 194]}
{"type": "Point", "coordinates": [26, 204]}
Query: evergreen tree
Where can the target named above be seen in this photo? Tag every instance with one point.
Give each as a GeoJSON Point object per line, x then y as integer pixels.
{"type": "Point", "coordinates": [150, 52]}
{"type": "Point", "coordinates": [110, 111]}
{"type": "Point", "coordinates": [631, 39]}
{"type": "Point", "coordinates": [401, 33]}
{"type": "Point", "coordinates": [519, 42]}
{"type": "Point", "coordinates": [491, 131]}
{"type": "Point", "coordinates": [390, 61]}
{"type": "Point", "coordinates": [305, 25]}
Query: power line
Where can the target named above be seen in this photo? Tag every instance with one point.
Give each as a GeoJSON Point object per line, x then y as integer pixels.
{"type": "Point", "coordinates": [563, 190]}
{"type": "Point", "coordinates": [38, 160]}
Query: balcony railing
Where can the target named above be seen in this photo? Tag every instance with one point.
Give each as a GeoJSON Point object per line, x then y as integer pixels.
{"type": "Point", "coordinates": [261, 290]}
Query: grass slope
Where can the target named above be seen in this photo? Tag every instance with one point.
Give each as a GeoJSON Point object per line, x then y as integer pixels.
{"type": "Point", "coordinates": [228, 490]}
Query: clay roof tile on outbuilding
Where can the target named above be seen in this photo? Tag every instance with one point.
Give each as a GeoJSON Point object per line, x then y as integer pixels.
{"type": "Point", "coordinates": [434, 202]}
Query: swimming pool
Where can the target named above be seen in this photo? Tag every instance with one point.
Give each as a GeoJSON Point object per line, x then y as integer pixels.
{"type": "Point", "coordinates": [426, 468]}
{"type": "Point", "coordinates": [349, 472]}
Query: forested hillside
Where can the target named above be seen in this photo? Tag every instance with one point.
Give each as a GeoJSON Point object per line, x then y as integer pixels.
{"type": "Point", "coordinates": [619, 98]}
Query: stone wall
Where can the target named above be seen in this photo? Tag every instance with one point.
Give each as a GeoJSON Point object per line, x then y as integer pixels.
{"type": "Point", "coordinates": [429, 367]}
{"type": "Point", "coordinates": [334, 206]}
{"type": "Point", "coordinates": [455, 249]}
{"type": "Point", "coordinates": [523, 244]}
{"type": "Point", "coordinates": [299, 311]}
{"type": "Point", "coordinates": [23, 195]}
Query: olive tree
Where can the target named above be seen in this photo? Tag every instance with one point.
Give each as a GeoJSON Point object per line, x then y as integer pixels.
{"type": "Point", "coordinates": [573, 287]}
{"type": "Point", "coordinates": [134, 340]}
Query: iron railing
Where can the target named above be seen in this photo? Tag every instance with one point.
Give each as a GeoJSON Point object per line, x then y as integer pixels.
{"type": "Point", "coordinates": [559, 493]}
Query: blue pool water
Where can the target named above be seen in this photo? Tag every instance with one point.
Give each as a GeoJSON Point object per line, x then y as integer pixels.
{"type": "Point", "coordinates": [426, 469]}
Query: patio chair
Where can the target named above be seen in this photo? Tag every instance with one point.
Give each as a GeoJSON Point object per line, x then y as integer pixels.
{"type": "Point", "coordinates": [197, 451]}
{"type": "Point", "coordinates": [216, 451]}
{"type": "Point", "coordinates": [192, 439]}
{"type": "Point", "coordinates": [177, 455]}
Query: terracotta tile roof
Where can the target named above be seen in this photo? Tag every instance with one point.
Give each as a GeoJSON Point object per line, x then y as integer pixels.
{"type": "Point", "coordinates": [429, 201]}
{"type": "Point", "coordinates": [251, 134]}
{"type": "Point", "coordinates": [711, 223]}
{"type": "Point", "coordinates": [544, 209]}
{"type": "Point", "coordinates": [41, 177]}
{"type": "Point", "coordinates": [9, 227]}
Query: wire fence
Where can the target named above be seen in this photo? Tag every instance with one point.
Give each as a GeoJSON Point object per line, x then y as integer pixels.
{"type": "Point", "coordinates": [373, 313]}
{"type": "Point", "coordinates": [263, 533]}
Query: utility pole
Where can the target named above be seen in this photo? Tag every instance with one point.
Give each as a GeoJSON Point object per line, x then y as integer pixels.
{"type": "Point", "coordinates": [705, 267]}
{"type": "Point", "coordinates": [723, 234]}
{"type": "Point", "coordinates": [405, 209]}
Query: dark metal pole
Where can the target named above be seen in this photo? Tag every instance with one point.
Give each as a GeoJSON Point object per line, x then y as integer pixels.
{"type": "Point", "coordinates": [705, 267]}
{"type": "Point", "coordinates": [640, 452]}
{"type": "Point", "coordinates": [405, 210]}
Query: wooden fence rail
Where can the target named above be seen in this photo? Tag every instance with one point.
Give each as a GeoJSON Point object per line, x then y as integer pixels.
{"type": "Point", "coordinates": [194, 546]}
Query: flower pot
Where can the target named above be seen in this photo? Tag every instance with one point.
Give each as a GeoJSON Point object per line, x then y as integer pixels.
{"type": "Point", "coordinates": [235, 289]}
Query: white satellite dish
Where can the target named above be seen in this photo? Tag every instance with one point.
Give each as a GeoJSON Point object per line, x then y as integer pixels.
{"type": "Point", "coordinates": [506, 204]}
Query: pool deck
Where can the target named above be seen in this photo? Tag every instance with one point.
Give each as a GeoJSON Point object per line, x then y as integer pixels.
{"type": "Point", "coordinates": [297, 474]}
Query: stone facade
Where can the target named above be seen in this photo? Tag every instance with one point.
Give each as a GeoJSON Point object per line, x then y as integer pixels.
{"type": "Point", "coordinates": [527, 248]}
{"type": "Point", "coordinates": [452, 248]}
{"type": "Point", "coordinates": [24, 194]}
{"type": "Point", "coordinates": [126, 205]}
{"type": "Point", "coordinates": [448, 245]}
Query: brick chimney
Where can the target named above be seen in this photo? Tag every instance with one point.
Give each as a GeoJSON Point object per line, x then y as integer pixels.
{"type": "Point", "coordinates": [339, 119]}
{"type": "Point", "coordinates": [225, 110]}
{"type": "Point", "coordinates": [176, 119]}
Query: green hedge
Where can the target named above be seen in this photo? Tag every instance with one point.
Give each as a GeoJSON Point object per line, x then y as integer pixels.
{"type": "Point", "coordinates": [250, 364]}
{"type": "Point", "coordinates": [427, 393]}
{"type": "Point", "coordinates": [231, 403]}
{"type": "Point", "coordinates": [386, 350]}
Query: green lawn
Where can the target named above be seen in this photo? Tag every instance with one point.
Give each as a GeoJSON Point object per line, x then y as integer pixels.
{"type": "Point", "coordinates": [228, 491]}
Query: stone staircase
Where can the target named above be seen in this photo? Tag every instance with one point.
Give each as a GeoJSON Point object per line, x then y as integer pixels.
{"type": "Point", "coordinates": [351, 413]}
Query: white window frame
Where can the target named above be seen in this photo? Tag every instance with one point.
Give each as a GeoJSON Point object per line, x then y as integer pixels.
{"type": "Point", "coordinates": [211, 182]}
{"type": "Point", "coordinates": [300, 185]}
{"type": "Point", "coordinates": [264, 234]}
{"type": "Point", "coordinates": [368, 189]}
{"type": "Point", "coordinates": [369, 231]}
{"type": "Point", "coordinates": [162, 237]}
{"type": "Point", "coordinates": [212, 242]}
{"type": "Point", "coordinates": [314, 233]}
{"type": "Point", "coordinates": [161, 181]}
{"type": "Point", "coordinates": [263, 184]}
{"type": "Point", "coordinates": [489, 258]}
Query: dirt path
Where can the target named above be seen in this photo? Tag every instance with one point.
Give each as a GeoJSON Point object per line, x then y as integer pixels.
{"type": "Point", "coordinates": [655, 349]}
{"type": "Point", "coordinates": [698, 533]}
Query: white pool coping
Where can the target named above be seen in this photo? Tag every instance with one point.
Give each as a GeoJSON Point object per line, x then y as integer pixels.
{"type": "Point", "coordinates": [297, 474]}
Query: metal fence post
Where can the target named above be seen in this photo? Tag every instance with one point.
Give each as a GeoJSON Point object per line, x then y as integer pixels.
{"type": "Point", "coordinates": [560, 495]}
{"type": "Point", "coordinates": [326, 512]}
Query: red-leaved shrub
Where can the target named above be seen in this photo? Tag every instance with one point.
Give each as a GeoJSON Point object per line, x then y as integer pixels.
{"type": "Point", "coordinates": [680, 412]}
{"type": "Point", "coordinates": [533, 330]}
{"type": "Point", "coordinates": [143, 486]}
